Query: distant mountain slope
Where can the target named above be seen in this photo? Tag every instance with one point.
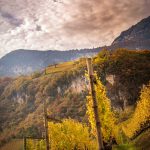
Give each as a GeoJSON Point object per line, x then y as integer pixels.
{"type": "Point", "coordinates": [22, 62]}
{"type": "Point", "coordinates": [136, 37]}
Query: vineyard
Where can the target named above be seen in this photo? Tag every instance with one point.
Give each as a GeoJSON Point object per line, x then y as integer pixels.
{"type": "Point", "coordinates": [77, 129]}
{"type": "Point", "coordinates": [141, 117]}
{"type": "Point", "coordinates": [67, 135]}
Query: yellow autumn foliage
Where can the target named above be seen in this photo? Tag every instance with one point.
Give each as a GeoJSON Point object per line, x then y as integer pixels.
{"type": "Point", "coordinates": [141, 116]}
{"type": "Point", "coordinates": [106, 115]}
{"type": "Point", "coordinates": [35, 144]}
{"type": "Point", "coordinates": [70, 134]}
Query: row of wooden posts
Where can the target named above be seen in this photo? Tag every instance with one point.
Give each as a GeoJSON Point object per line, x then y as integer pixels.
{"type": "Point", "coordinates": [95, 109]}
{"type": "Point", "coordinates": [25, 139]}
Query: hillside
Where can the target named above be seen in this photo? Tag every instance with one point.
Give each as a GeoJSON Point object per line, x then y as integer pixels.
{"type": "Point", "coordinates": [124, 72]}
{"type": "Point", "coordinates": [136, 37]}
{"type": "Point", "coordinates": [64, 86]}
{"type": "Point", "coordinates": [22, 98]}
{"type": "Point", "coordinates": [23, 62]}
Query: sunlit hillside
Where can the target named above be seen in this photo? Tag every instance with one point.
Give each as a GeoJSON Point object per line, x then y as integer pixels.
{"type": "Point", "coordinates": [122, 74]}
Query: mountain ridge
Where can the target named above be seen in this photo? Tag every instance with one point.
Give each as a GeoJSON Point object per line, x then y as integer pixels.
{"type": "Point", "coordinates": [136, 37]}
{"type": "Point", "coordinates": [22, 62]}
{"type": "Point", "coordinates": [143, 24]}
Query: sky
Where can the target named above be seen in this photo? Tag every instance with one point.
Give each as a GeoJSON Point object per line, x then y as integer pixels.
{"type": "Point", "coordinates": [66, 24]}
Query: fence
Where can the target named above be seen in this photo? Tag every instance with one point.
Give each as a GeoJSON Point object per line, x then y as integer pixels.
{"type": "Point", "coordinates": [34, 143]}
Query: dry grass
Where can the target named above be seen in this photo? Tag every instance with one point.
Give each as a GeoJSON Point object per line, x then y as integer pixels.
{"type": "Point", "coordinates": [62, 67]}
{"type": "Point", "coordinates": [13, 145]}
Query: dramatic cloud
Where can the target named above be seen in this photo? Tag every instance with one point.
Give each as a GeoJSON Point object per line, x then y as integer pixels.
{"type": "Point", "coordinates": [65, 24]}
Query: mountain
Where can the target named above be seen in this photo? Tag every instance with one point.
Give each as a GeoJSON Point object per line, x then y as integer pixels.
{"type": "Point", "coordinates": [136, 37]}
{"type": "Point", "coordinates": [65, 88]}
{"type": "Point", "coordinates": [22, 62]}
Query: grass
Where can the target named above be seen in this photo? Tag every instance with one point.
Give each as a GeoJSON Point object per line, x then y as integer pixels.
{"type": "Point", "coordinates": [13, 145]}
{"type": "Point", "coordinates": [61, 67]}
{"type": "Point", "coordinates": [125, 147]}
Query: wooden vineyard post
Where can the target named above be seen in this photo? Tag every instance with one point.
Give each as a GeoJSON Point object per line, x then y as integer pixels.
{"type": "Point", "coordinates": [46, 127]}
{"type": "Point", "coordinates": [95, 106]}
{"type": "Point", "coordinates": [24, 143]}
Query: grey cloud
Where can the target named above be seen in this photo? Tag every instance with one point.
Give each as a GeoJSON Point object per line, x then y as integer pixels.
{"type": "Point", "coordinates": [38, 28]}
{"type": "Point", "coordinates": [66, 24]}
{"type": "Point", "coordinates": [108, 14]}
{"type": "Point", "coordinates": [11, 19]}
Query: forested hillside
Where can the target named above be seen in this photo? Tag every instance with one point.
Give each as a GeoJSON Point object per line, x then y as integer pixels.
{"type": "Point", "coordinates": [124, 73]}
{"type": "Point", "coordinates": [65, 87]}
